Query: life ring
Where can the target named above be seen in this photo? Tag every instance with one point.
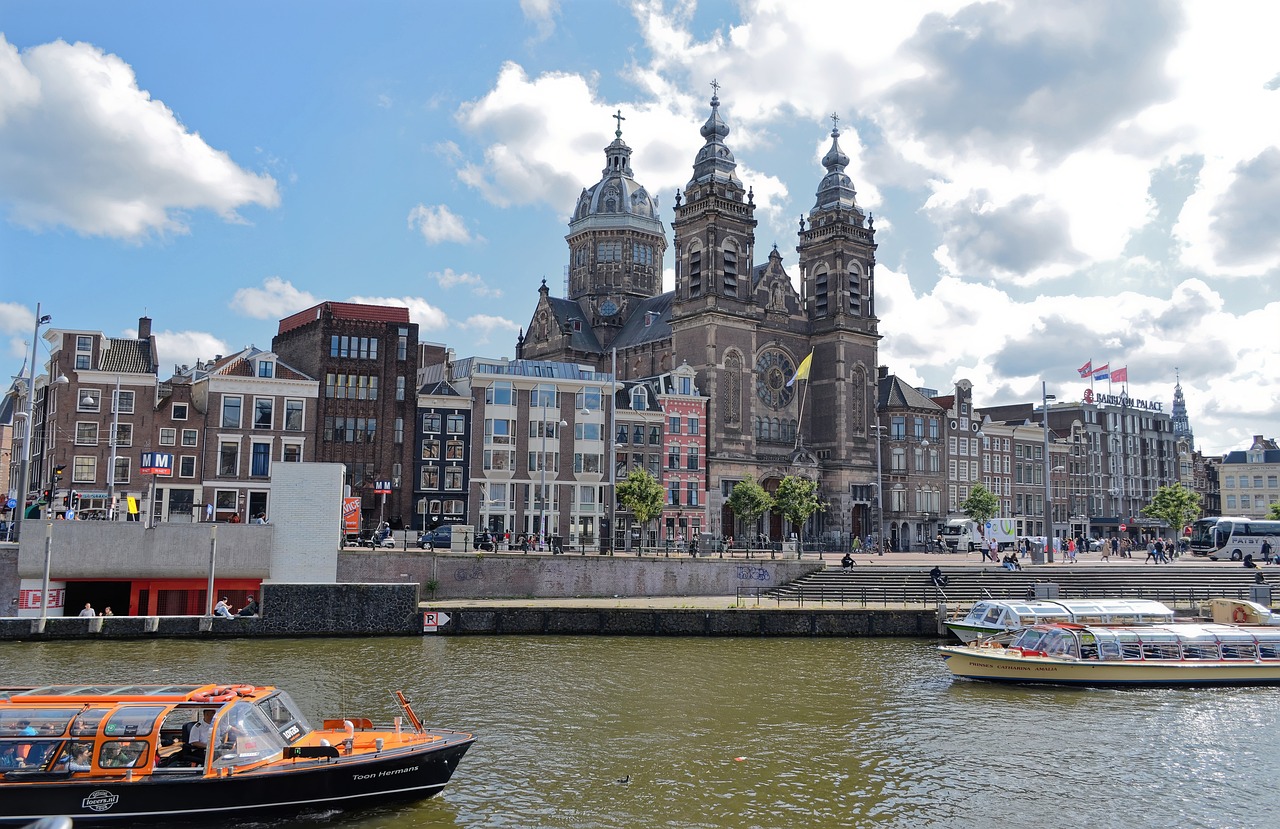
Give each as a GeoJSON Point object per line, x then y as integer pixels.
{"type": "Point", "coordinates": [1239, 614]}
{"type": "Point", "coordinates": [243, 690]}
{"type": "Point", "coordinates": [221, 694]}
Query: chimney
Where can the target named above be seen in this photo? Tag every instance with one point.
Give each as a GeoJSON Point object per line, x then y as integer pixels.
{"type": "Point", "coordinates": [144, 328]}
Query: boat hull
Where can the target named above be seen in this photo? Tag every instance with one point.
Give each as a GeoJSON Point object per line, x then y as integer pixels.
{"type": "Point", "coordinates": [411, 773]}
{"type": "Point", "coordinates": [997, 665]}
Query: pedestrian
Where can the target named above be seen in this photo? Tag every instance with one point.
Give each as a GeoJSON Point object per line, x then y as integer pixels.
{"type": "Point", "coordinates": [1267, 550]}
{"type": "Point", "coordinates": [88, 610]}
{"type": "Point", "coordinates": [993, 548]}
{"type": "Point", "coordinates": [846, 563]}
{"type": "Point", "coordinates": [106, 611]}
{"type": "Point", "coordinates": [1105, 550]}
{"type": "Point", "coordinates": [222, 608]}
{"type": "Point", "coordinates": [857, 543]}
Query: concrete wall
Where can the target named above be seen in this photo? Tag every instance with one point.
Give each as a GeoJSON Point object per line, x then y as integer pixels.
{"type": "Point", "coordinates": [461, 576]}
{"type": "Point", "coordinates": [116, 549]}
{"type": "Point", "coordinates": [668, 622]}
{"type": "Point", "coordinates": [306, 512]}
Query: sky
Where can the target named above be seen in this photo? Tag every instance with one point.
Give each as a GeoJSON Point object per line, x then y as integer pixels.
{"type": "Point", "coordinates": [1052, 183]}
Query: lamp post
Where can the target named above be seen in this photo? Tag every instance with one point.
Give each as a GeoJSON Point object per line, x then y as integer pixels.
{"type": "Point", "coordinates": [542, 467]}
{"type": "Point", "coordinates": [1048, 509]}
{"type": "Point", "coordinates": [25, 475]}
{"type": "Point", "coordinates": [879, 430]}
{"type": "Point", "coordinates": [613, 453]}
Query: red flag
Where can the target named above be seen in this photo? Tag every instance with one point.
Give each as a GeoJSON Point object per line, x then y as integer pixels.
{"type": "Point", "coordinates": [1086, 369]}
{"type": "Point", "coordinates": [1120, 375]}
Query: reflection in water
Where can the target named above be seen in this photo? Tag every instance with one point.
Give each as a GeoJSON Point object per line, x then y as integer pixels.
{"type": "Point", "coordinates": [741, 733]}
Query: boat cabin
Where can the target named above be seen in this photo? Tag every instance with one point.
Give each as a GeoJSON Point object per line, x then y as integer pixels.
{"type": "Point", "coordinates": [64, 731]}
{"type": "Point", "coordinates": [994, 616]}
{"type": "Point", "coordinates": [1179, 643]}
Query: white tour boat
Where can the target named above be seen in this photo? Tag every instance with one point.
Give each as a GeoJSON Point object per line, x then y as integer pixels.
{"type": "Point", "coordinates": [995, 616]}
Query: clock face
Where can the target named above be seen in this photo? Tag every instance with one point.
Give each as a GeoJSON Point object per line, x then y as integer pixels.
{"type": "Point", "coordinates": [773, 370]}
{"type": "Point", "coordinates": [608, 308]}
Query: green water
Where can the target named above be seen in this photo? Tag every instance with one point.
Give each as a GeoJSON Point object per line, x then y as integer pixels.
{"type": "Point", "coordinates": [745, 732]}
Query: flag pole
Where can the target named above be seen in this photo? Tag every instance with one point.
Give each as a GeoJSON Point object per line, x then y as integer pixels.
{"type": "Point", "coordinates": [804, 392]}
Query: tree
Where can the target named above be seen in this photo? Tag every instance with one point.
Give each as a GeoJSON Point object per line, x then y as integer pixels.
{"type": "Point", "coordinates": [749, 501]}
{"type": "Point", "coordinates": [797, 498]}
{"type": "Point", "coordinates": [1175, 505]}
{"type": "Point", "coordinates": [981, 505]}
{"type": "Point", "coordinates": [642, 494]}
{"type": "Point", "coordinates": [1273, 512]}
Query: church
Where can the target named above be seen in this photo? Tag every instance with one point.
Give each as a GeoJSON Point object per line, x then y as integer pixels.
{"type": "Point", "coordinates": [738, 323]}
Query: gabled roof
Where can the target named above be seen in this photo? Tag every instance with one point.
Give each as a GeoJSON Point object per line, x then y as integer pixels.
{"type": "Point", "coordinates": [345, 311]}
{"type": "Point", "coordinates": [565, 312]}
{"type": "Point", "coordinates": [650, 321]}
{"type": "Point", "coordinates": [439, 388]}
{"type": "Point", "coordinates": [241, 365]}
{"type": "Point", "coordinates": [895, 394]}
{"type": "Point", "coordinates": [127, 357]}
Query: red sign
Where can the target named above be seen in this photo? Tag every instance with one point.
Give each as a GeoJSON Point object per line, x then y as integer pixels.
{"type": "Point", "coordinates": [1124, 527]}
{"type": "Point", "coordinates": [351, 515]}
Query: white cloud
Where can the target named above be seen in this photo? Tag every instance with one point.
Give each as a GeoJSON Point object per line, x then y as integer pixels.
{"type": "Point", "coordinates": [17, 323]}
{"type": "Point", "coordinates": [277, 298]}
{"type": "Point", "coordinates": [82, 146]}
{"type": "Point", "coordinates": [427, 316]}
{"type": "Point", "coordinates": [437, 223]}
{"type": "Point", "coordinates": [487, 329]}
{"type": "Point", "coordinates": [448, 278]}
{"type": "Point", "coordinates": [184, 348]}
{"type": "Point", "coordinates": [542, 14]}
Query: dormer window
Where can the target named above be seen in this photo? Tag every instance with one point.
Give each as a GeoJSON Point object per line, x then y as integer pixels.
{"type": "Point", "coordinates": [266, 368]}
{"type": "Point", "coordinates": [576, 325]}
{"type": "Point", "coordinates": [640, 395]}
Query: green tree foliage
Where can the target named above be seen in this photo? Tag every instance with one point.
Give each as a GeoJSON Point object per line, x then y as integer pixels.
{"type": "Point", "coordinates": [641, 494]}
{"type": "Point", "coordinates": [797, 498]}
{"type": "Point", "coordinates": [749, 501]}
{"type": "Point", "coordinates": [1273, 512]}
{"type": "Point", "coordinates": [1175, 505]}
{"type": "Point", "coordinates": [981, 506]}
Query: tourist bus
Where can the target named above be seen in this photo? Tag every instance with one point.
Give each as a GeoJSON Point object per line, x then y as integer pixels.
{"type": "Point", "coordinates": [1233, 537]}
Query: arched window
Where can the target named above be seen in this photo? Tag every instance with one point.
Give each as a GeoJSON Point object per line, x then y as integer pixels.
{"type": "Point", "coordinates": [820, 291]}
{"type": "Point", "coordinates": [733, 389]}
{"type": "Point", "coordinates": [854, 287]}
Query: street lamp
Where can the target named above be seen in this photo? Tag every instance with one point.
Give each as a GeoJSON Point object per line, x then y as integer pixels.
{"type": "Point", "coordinates": [25, 476]}
{"type": "Point", "coordinates": [613, 453]}
{"type": "Point", "coordinates": [879, 430]}
{"type": "Point", "coordinates": [542, 465]}
{"type": "Point", "coordinates": [1048, 510]}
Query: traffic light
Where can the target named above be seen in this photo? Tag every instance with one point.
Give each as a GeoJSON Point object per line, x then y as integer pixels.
{"type": "Point", "coordinates": [75, 500]}
{"type": "Point", "coordinates": [58, 470]}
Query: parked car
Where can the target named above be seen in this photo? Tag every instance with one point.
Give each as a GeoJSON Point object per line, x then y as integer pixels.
{"type": "Point", "coordinates": [438, 537]}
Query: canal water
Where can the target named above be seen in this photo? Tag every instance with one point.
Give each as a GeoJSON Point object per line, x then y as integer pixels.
{"type": "Point", "coordinates": [610, 733]}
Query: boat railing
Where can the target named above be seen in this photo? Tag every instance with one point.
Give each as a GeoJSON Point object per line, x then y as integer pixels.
{"type": "Point", "coordinates": [928, 595]}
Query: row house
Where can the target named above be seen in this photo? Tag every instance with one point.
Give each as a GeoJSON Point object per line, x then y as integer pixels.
{"type": "Point", "coordinates": [1251, 479]}
{"type": "Point", "coordinates": [911, 449]}
{"type": "Point", "coordinates": [639, 426]}
{"type": "Point", "coordinates": [684, 439]}
{"type": "Point", "coordinates": [366, 358]}
{"type": "Point", "coordinates": [256, 410]}
{"type": "Point", "coordinates": [442, 441]}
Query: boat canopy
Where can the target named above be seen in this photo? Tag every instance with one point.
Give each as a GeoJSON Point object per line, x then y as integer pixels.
{"type": "Point", "coordinates": [1181, 642]}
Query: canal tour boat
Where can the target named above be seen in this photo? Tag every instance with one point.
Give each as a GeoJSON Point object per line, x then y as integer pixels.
{"type": "Point", "coordinates": [1157, 655]}
{"type": "Point", "coordinates": [103, 754]}
{"type": "Point", "coordinates": [995, 616]}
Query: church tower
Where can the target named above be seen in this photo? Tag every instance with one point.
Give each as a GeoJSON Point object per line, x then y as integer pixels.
{"type": "Point", "coordinates": [837, 266]}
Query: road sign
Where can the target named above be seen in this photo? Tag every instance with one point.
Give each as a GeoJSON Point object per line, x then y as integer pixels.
{"type": "Point", "coordinates": [433, 620]}
{"type": "Point", "coordinates": [1124, 527]}
{"type": "Point", "coordinates": [11, 503]}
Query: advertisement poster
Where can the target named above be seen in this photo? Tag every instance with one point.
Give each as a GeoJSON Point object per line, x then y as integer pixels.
{"type": "Point", "coordinates": [351, 515]}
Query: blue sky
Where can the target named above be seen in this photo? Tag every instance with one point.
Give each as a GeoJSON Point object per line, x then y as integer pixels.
{"type": "Point", "coordinates": [1052, 183]}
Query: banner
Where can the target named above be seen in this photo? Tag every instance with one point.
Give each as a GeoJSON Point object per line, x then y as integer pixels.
{"type": "Point", "coordinates": [351, 515]}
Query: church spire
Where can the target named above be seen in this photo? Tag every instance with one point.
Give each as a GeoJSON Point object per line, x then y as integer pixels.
{"type": "Point", "coordinates": [714, 161]}
{"type": "Point", "coordinates": [835, 191]}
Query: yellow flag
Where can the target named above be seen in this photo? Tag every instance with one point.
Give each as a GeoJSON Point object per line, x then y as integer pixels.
{"type": "Point", "coordinates": [802, 372]}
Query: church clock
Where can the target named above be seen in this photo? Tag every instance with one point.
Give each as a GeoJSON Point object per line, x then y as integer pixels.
{"type": "Point", "coordinates": [773, 370]}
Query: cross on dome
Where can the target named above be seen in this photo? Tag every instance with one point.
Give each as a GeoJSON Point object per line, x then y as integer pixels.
{"type": "Point", "coordinates": [619, 117]}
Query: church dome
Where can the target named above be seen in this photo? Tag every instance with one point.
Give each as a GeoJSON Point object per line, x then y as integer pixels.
{"type": "Point", "coordinates": [617, 198]}
{"type": "Point", "coordinates": [835, 192]}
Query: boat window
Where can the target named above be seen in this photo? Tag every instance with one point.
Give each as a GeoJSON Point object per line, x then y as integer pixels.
{"type": "Point", "coordinates": [1238, 649]}
{"type": "Point", "coordinates": [1269, 650]}
{"type": "Point", "coordinates": [87, 722]}
{"type": "Point", "coordinates": [123, 754]}
{"type": "Point", "coordinates": [993, 615]}
{"type": "Point", "coordinates": [244, 735]}
{"type": "Point", "coordinates": [1061, 644]}
{"type": "Point", "coordinates": [1029, 639]}
{"type": "Point", "coordinates": [285, 716]}
{"type": "Point", "coordinates": [132, 722]}
{"type": "Point", "coordinates": [25, 754]}
{"type": "Point", "coordinates": [1200, 650]}
{"type": "Point", "coordinates": [1160, 650]}
{"type": "Point", "coordinates": [30, 722]}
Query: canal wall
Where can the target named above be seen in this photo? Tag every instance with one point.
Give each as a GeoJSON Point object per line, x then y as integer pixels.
{"type": "Point", "coordinates": [479, 576]}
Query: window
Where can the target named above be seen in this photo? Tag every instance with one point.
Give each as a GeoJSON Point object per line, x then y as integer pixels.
{"type": "Point", "coordinates": [609, 251]}
{"type": "Point", "coordinates": [260, 460]}
{"type": "Point", "coordinates": [187, 466]}
{"type": "Point", "coordinates": [124, 402]}
{"type": "Point", "coordinates": [84, 352]}
{"type": "Point", "coordinates": [500, 432]}
{"type": "Point", "coordinates": [84, 470]}
{"type": "Point", "coordinates": [455, 424]}
{"type": "Point", "coordinates": [263, 410]}
{"type": "Point", "coordinates": [692, 459]}
{"type": "Point", "coordinates": [292, 453]}
{"type": "Point", "coordinates": [430, 478]}
{"type": "Point", "coordinates": [898, 429]}
{"type": "Point", "coordinates": [430, 450]}
{"type": "Point", "coordinates": [730, 272]}
{"type": "Point", "coordinates": [453, 450]}
{"type": "Point", "coordinates": [588, 431]}
{"type": "Point", "coordinates": [499, 394]}
{"type": "Point", "coordinates": [453, 479]}
{"type": "Point", "coordinates": [399, 389]}
{"type": "Point", "coordinates": [124, 434]}
{"type": "Point", "coordinates": [266, 368]}
{"type": "Point", "coordinates": [673, 426]}
{"type": "Point", "coordinates": [122, 470]}
{"type": "Point", "coordinates": [673, 493]}
{"type": "Point", "coordinates": [691, 493]}
{"type": "Point", "coordinates": [587, 462]}
{"type": "Point", "coordinates": [293, 410]}
{"type": "Point", "coordinates": [228, 458]}
{"type": "Point", "coordinates": [89, 400]}
{"type": "Point", "coordinates": [693, 425]}
{"type": "Point", "coordinates": [402, 344]}
{"type": "Point", "coordinates": [695, 272]}
{"type": "Point", "coordinates": [639, 398]}
{"type": "Point", "coordinates": [168, 437]}
{"type": "Point", "coordinates": [231, 412]}
{"type": "Point", "coordinates": [399, 430]}
{"type": "Point", "coordinates": [430, 423]}
{"type": "Point", "coordinates": [898, 459]}
{"type": "Point", "coordinates": [655, 435]}
{"type": "Point", "coordinates": [179, 411]}
{"type": "Point", "coordinates": [86, 434]}
{"type": "Point", "coordinates": [190, 436]}
{"type": "Point", "coordinates": [356, 348]}
{"type": "Point", "coordinates": [673, 457]}
{"type": "Point", "coordinates": [500, 459]}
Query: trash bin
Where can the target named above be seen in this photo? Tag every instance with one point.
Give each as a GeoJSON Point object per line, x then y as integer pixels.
{"type": "Point", "coordinates": [1260, 593]}
{"type": "Point", "coordinates": [1037, 551]}
{"type": "Point", "coordinates": [1046, 590]}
